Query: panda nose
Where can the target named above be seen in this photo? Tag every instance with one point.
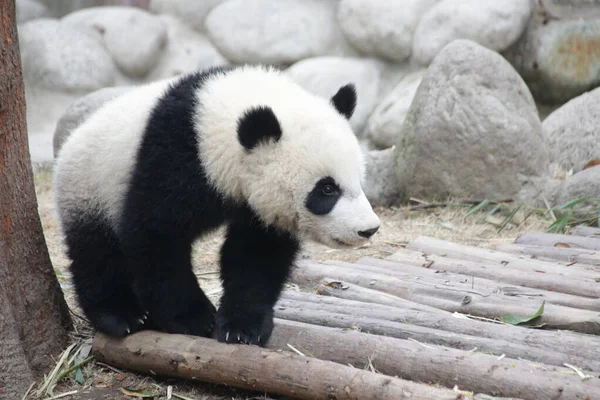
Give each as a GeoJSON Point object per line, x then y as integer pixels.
{"type": "Point", "coordinates": [368, 233]}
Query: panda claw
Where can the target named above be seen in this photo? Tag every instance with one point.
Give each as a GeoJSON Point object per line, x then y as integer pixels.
{"type": "Point", "coordinates": [239, 337]}
{"type": "Point", "coordinates": [227, 336]}
{"type": "Point", "coordinates": [128, 330]}
{"type": "Point", "coordinates": [141, 321]}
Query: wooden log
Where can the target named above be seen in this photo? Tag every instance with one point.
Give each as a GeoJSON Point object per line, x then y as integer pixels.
{"type": "Point", "coordinates": [555, 240]}
{"type": "Point", "coordinates": [254, 368]}
{"type": "Point", "coordinates": [588, 231]}
{"type": "Point", "coordinates": [347, 298]}
{"type": "Point", "coordinates": [472, 371]}
{"type": "Point", "coordinates": [588, 259]}
{"type": "Point", "coordinates": [512, 269]}
{"type": "Point", "coordinates": [315, 316]}
{"type": "Point", "coordinates": [434, 246]}
{"type": "Point", "coordinates": [549, 343]}
{"type": "Point", "coordinates": [467, 275]}
{"type": "Point", "coordinates": [454, 299]}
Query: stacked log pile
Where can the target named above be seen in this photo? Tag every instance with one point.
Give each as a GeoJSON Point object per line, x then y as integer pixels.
{"type": "Point", "coordinates": [435, 320]}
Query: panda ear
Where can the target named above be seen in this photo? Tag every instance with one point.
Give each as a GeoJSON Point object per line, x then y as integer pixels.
{"type": "Point", "coordinates": [345, 100]}
{"type": "Point", "coordinates": [258, 124]}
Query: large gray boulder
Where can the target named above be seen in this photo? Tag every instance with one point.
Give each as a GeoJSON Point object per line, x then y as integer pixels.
{"type": "Point", "coordinates": [186, 51]}
{"type": "Point", "coordinates": [472, 129]}
{"type": "Point", "coordinates": [57, 56]}
{"type": "Point", "coordinates": [276, 32]}
{"type": "Point", "coordinates": [491, 23]}
{"type": "Point", "coordinates": [382, 28]}
{"type": "Point", "coordinates": [30, 9]}
{"type": "Point", "coordinates": [80, 110]}
{"type": "Point", "coordinates": [134, 37]}
{"type": "Point", "coordinates": [325, 75]}
{"type": "Point", "coordinates": [193, 13]}
{"type": "Point", "coordinates": [573, 132]}
{"type": "Point", "coordinates": [385, 123]}
{"type": "Point", "coordinates": [559, 54]}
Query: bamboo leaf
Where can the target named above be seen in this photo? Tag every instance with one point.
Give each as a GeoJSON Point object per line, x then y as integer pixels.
{"type": "Point", "coordinates": [514, 319]}
{"type": "Point", "coordinates": [478, 207]}
{"type": "Point", "coordinates": [509, 218]}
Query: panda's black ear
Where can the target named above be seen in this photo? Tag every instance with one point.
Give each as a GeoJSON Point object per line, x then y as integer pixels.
{"type": "Point", "coordinates": [258, 124]}
{"type": "Point", "coordinates": [345, 100]}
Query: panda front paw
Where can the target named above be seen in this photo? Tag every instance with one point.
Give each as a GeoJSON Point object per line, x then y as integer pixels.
{"type": "Point", "coordinates": [197, 322]}
{"type": "Point", "coordinates": [252, 328]}
{"type": "Point", "coordinates": [119, 324]}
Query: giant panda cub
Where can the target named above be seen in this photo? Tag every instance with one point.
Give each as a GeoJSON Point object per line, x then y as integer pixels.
{"type": "Point", "coordinates": [155, 169]}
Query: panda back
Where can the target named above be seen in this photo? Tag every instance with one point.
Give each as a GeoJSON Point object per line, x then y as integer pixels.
{"type": "Point", "coordinates": [94, 165]}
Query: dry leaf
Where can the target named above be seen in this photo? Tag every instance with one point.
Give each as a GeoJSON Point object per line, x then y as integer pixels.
{"type": "Point", "coordinates": [560, 244]}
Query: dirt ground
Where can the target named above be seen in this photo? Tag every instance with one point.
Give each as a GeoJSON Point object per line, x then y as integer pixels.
{"type": "Point", "coordinates": [399, 226]}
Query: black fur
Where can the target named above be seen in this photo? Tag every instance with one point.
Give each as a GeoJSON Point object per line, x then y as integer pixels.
{"type": "Point", "coordinates": [257, 125]}
{"type": "Point", "coordinates": [145, 266]}
{"type": "Point", "coordinates": [345, 100]}
{"type": "Point", "coordinates": [323, 197]}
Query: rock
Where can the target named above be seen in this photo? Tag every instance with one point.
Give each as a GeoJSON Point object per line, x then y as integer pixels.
{"type": "Point", "coordinates": [385, 123]}
{"type": "Point", "coordinates": [57, 56]}
{"type": "Point", "coordinates": [382, 28]}
{"type": "Point", "coordinates": [30, 9]}
{"type": "Point", "coordinates": [491, 23]}
{"type": "Point", "coordinates": [134, 37]}
{"type": "Point", "coordinates": [276, 32]}
{"type": "Point", "coordinates": [573, 132]}
{"type": "Point", "coordinates": [325, 75]}
{"type": "Point", "coordinates": [80, 110]}
{"type": "Point", "coordinates": [381, 185]}
{"type": "Point", "coordinates": [559, 56]}
{"type": "Point", "coordinates": [186, 51]}
{"type": "Point", "coordinates": [472, 130]}
{"type": "Point", "coordinates": [193, 13]}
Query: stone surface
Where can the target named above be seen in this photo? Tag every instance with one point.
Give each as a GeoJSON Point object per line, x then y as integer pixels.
{"type": "Point", "coordinates": [472, 130]}
{"type": "Point", "coordinates": [573, 132]}
{"type": "Point", "coordinates": [385, 123]}
{"type": "Point", "coordinates": [381, 185]}
{"type": "Point", "coordinates": [193, 13]}
{"type": "Point", "coordinates": [59, 57]}
{"type": "Point", "coordinates": [80, 110]}
{"type": "Point", "coordinates": [186, 51]}
{"type": "Point", "coordinates": [559, 55]}
{"type": "Point", "coordinates": [276, 32]}
{"type": "Point", "coordinates": [382, 28]}
{"type": "Point", "coordinates": [30, 9]}
{"type": "Point", "coordinates": [325, 75]}
{"type": "Point", "coordinates": [134, 37]}
{"type": "Point", "coordinates": [491, 23]}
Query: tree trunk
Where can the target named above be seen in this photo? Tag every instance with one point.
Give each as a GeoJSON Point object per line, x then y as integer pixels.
{"type": "Point", "coordinates": [34, 317]}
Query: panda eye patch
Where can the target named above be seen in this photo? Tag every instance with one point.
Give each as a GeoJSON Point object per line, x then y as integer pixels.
{"type": "Point", "coordinates": [323, 196]}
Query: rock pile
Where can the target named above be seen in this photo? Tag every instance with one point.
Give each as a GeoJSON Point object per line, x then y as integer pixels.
{"type": "Point", "coordinates": [450, 92]}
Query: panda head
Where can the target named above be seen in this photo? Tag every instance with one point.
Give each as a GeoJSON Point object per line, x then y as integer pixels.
{"type": "Point", "coordinates": [295, 159]}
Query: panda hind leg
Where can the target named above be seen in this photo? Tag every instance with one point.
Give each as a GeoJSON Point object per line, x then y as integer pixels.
{"type": "Point", "coordinates": [102, 283]}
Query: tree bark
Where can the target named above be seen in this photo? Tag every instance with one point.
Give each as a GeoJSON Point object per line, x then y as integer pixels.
{"type": "Point", "coordinates": [254, 368]}
{"type": "Point", "coordinates": [34, 316]}
{"type": "Point", "coordinates": [555, 239]}
{"type": "Point", "coordinates": [589, 258]}
{"type": "Point", "coordinates": [582, 230]}
{"type": "Point", "coordinates": [472, 371]}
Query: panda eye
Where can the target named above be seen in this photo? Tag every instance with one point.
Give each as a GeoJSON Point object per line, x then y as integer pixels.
{"type": "Point", "coordinates": [328, 190]}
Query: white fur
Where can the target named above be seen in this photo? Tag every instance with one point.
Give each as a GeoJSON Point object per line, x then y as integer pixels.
{"type": "Point", "coordinates": [94, 165]}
